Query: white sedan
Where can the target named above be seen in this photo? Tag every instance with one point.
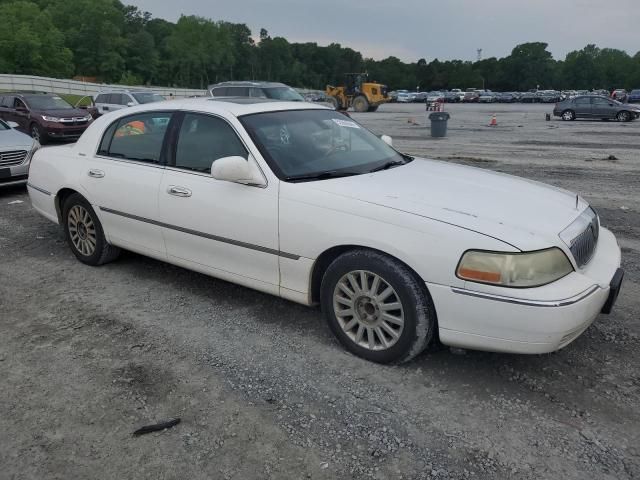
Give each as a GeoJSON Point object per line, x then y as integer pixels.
{"type": "Point", "coordinates": [302, 202]}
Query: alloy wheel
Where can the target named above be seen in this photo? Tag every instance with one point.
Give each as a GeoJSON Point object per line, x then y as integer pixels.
{"type": "Point", "coordinates": [82, 230]}
{"type": "Point", "coordinates": [368, 310]}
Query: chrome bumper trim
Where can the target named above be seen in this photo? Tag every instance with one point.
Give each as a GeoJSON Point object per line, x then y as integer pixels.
{"type": "Point", "coordinates": [529, 303]}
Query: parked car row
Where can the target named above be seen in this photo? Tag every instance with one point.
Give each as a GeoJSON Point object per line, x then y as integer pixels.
{"type": "Point", "coordinates": [487, 96]}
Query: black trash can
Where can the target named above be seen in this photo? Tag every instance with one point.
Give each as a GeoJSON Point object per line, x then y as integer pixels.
{"type": "Point", "coordinates": [439, 124]}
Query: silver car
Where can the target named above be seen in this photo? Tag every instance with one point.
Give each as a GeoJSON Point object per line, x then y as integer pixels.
{"type": "Point", "coordinates": [16, 150]}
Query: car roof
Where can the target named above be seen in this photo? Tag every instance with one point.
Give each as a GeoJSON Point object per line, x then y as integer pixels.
{"type": "Point", "coordinates": [247, 83]}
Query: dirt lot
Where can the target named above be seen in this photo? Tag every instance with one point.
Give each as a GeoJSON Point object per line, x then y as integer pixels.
{"type": "Point", "coordinates": [87, 355]}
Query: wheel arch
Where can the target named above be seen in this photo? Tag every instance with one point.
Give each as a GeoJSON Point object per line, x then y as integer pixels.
{"type": "Point", "coordinates": [325, 259]}
{"type": "Point", "coordinates": [60, 198]}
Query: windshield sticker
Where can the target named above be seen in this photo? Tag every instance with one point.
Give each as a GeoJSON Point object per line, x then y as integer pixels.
{"type": "Point", "coordinates": [345, 123]}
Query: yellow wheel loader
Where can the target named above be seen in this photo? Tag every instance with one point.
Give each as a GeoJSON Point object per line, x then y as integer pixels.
{"type": "Point", "coordinates": [359, 93]}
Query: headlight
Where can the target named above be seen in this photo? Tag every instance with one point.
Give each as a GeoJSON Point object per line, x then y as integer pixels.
{"type": "Point", "coordinates": [529, 269]}
{"type": "Point", "coordinates": [47, 118]}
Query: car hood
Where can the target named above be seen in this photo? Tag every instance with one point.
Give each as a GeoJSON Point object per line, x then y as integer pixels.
{"type": "Point", "coordinates": [64, 112]}
{"type": "Point", "coordinates": [526, 214]}
{"type": "Point", "coordinates": [14, 139]}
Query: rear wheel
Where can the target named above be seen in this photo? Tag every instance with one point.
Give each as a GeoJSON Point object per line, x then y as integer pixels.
{"type": "Point", "coordinates": [84, 233]}
{"type": "Point", "coordinates": [360, 103]}
{"type": "Point", "coordinates": [568, 115]}
{"type": "Point", "coordinates": [623, 116]}
{"type": "Point", "coordinates": [377, 307]}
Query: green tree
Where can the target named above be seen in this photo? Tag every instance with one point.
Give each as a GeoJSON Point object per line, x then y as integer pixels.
{"type": "Point", "coordinates": [30, 43]}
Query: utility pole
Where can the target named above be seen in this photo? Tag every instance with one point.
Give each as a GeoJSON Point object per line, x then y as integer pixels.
{"type": "Point", "coordinates": [479, 50]}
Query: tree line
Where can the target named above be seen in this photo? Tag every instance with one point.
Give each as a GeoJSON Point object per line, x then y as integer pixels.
{"type": "Point", "coordinates": [118, 43]}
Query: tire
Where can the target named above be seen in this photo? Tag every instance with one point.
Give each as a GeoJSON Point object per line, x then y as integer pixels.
{"type": "Point", "coordinates": [623, 116]}
{"type": "Point", "coordinates": [335, 102]}
{"type": "Point", "coordinates": [37, 134]}
{"type": "Point", "coordinates": [84, 233]}
{"type": "Point", "coordinates": [568, 115]}
{"type": "Point", "coordinates": [409, 305]}
{"type": "Point", "coordinates": [360, 103]}
{"type": "Point", "coordinates": [373, 109]}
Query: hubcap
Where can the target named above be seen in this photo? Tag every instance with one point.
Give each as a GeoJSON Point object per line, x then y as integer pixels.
{"type": "Point", "coordinates": [368, 309]}
{"type": "Point", "coordinates": [35, 133]}
{"type": "Point", "coordinates": [82, 230]}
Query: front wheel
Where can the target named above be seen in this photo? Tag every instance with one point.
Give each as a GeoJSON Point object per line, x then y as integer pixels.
{"type": "Point", "coordinates": [623, 116]}
{"type": "Point", "coordinates": [568, 115]}
{"type": "Point", "coordinates": [37, 134]}
{"type": "Point", "coordinates": [360, 104]}
{"type": "Point", "coordinates": [84, 233]}
{"type": "Point", "coordinates": [377, 307]}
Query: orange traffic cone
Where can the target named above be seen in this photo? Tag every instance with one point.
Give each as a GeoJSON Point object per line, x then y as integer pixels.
{"type": "Point", "coordinates": [494, 121]}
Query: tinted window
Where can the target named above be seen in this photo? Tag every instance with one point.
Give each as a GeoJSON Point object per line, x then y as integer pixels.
{"type": "Point", "coordinates": [257, 93]}
{"type": "Point", "coordinates": [204, 139]}
{"type": "Point", "coordinates": [583, 101]}
{"type": "Point", "coordinates": [137, 137]}
{"type": "Point", "coordinates": [219, 92]}
{"type": "Point", "coordinates": [102, 98]}
{"type": "Point", "coordinates": [17, 103]}
{"type": "Point", "coordinates": [601, 101]}
{"type": "Point", "coordinates": [238, 92]}
{"type": "Point", "coordinates": [116, 99]}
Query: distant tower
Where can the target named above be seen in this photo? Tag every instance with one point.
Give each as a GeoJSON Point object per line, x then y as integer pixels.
{"type": "Point", "coordinates": [479, 54]}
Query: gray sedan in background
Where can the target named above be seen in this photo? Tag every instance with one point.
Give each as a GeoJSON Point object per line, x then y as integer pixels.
{"type": "Point", "coordinates": [595, 106]}
{"type": "Point", "coordinates": [16, 150]}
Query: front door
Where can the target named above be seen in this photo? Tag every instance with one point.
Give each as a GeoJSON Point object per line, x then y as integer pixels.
{"type": "Point", "coordinates": [226, 229]}
{"type": "Point", "coordinates": [602, 107]}
{"type": "Point", "coordinates": [122, 179]}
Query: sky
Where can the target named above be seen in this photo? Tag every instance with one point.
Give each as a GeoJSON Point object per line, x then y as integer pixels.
{"type": "Point", "coordinates": [414, 29]}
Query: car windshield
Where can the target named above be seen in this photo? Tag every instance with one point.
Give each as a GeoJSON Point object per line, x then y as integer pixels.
{"type": "Point", "coordinates": [147, 97]}
{"type": "Point", "coordinates": [283, 93]}
{"type": "Point", "coordinates": [47, 103]}
{"type": "Point", "coordinates": [317, 144]}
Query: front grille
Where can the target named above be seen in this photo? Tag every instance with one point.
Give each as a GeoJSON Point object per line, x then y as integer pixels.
{"type": "Point", "coordinates": [583, 246]}
{"type": "Point", "coordinates": [15, 157]}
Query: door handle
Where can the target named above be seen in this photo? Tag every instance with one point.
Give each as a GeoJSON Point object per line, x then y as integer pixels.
{"type": "Point", "coordinates": [178, 191]}
{"type": "Point", "coordinates": [94, 173]}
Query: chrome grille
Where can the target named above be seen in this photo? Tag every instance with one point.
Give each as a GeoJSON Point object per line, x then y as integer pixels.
{"type": "Point", "coordinates": [15, 157]}
{"type": "Point", "coordinates": [584, 243]}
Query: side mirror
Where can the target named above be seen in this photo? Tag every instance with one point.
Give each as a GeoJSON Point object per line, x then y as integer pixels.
{"type": "Point", "coordinates": [13, 124]}
{"type": "Point", "coordinates": [131, 104]}
{"type": "Point", "coordinates": [237, 169]}
{"type": "Point", "coordinates": [387, 139]}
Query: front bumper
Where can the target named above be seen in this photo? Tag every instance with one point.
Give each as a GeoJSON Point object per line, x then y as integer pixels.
{"type": "Point", "coordinates": [532, 320]}
{"type": "Point", "coordinates": [14, 175]}
{"type": "Point", "coordinates": [65, 131]}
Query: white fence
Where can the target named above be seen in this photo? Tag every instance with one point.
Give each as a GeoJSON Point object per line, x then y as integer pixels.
{"type": "Point", "coordinates": [54, 85]}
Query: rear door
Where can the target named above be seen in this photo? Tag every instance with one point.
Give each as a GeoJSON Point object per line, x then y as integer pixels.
{"type": "Point", "coordinates": [122, 178]}
{"type": "Point", "coordinates": [582, 107]}
{"type": "Point", "coordinates": [20, 114]}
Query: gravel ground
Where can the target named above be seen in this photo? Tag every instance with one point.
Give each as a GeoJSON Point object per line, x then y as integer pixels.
{"type": "Point", "coordinates": [87, 355]}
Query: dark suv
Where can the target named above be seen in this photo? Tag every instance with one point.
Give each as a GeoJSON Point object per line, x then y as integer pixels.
{"type": "Point", "coordinates": [44, 116]}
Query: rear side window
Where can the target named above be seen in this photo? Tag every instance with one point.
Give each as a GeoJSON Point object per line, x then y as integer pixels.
{"type": "Point", "coordinates": [204, 139]}
{"type": "Point", "coordinates": [102, 98]}
{"type": "Point", "coordinates": [238, 92]}
{"type": "Point", "coordinates": [115, 99]}
{"type": "Point", "coordinates": [219, 92]}
{"type": "Point", "coordinates": [136, 137]}
{"type": "Point", "coordinates": [583, 101]}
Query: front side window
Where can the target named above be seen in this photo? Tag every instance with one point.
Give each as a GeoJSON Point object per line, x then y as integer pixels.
{"type": "Point", "coordinates": [219, 92]}
{"type": "Point", "coordinates": [48, 103]}
{"type": "Point", "coordinates": [257, 93]}
{"type": "Point", "coordinates": [238, 92]}
{"type": "Point", "coordinates": [306, 144]}
{"type": "Point", "coordinates": [136, 137]}
{"type": "Point", "coordinates": [116, 99]}
{"type": "Point", "coordinates": [601, 101]}
{"type": "Point", "coordinates": [283, 93]}
{"type": "Point", "coordinates": [17, 103]}
{"type": "Point", "coordinates": [101, 98]}
{"type": "Point", "coordinates": [204, 139]}
{"type": "Point", "coordinates": [147, 97]}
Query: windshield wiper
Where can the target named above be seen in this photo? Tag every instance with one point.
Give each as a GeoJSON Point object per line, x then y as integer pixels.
{"type": "Point", "coordinates": [388, 165]}
{"type": "Point", "coordinates": [321, 176]}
